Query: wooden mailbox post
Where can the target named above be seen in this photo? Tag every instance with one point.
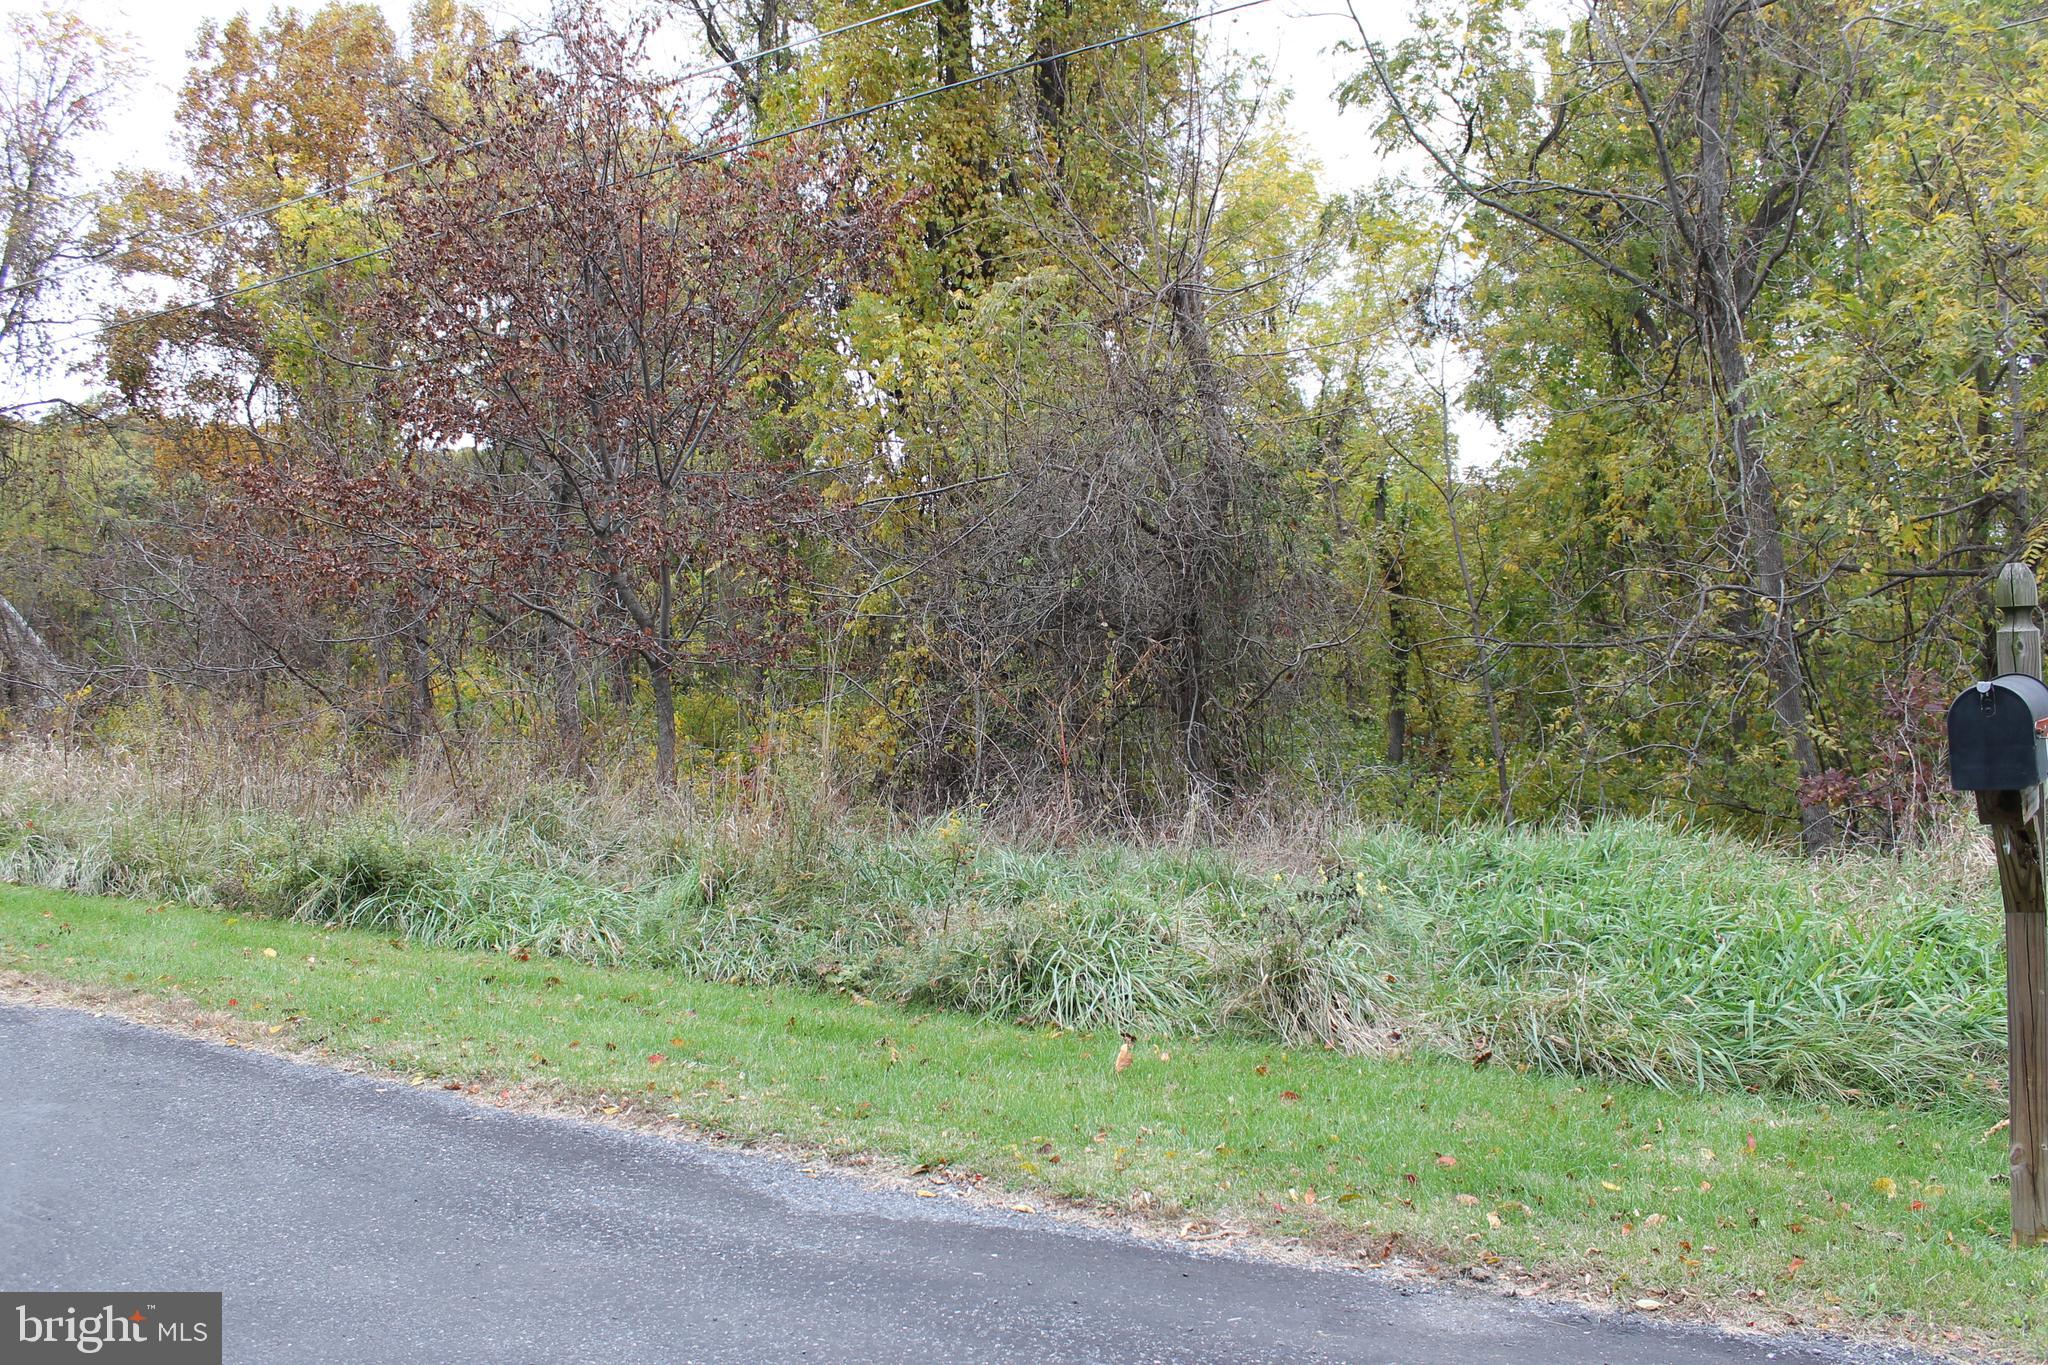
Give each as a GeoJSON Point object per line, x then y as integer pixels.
{"type": "Point", "coordinates": [1998, 735]}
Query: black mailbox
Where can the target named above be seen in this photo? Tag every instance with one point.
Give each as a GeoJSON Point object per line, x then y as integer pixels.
{"type": "Point", "coordinates": [1998, 735]}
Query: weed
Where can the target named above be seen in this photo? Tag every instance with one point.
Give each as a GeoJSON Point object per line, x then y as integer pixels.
{"type": "Point", "coordinates": [1625, 950]}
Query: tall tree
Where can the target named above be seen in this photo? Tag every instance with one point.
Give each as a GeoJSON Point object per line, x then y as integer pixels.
{"type": "Point", "coordinates": [62, 79]}
{"type": "Point", "coordinates": [1679, 153]}
{"type": "Point", "coordinates": [285, 127]}
{"type": "Point", "coordinates": [1082, 540]}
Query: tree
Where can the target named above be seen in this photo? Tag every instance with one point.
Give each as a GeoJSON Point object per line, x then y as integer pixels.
{"type": "Point", "coordinates": [1679, 154]}
{"type": "Point", "coordinates": [582, 299]}
{"type": "Point", "coordinates": [754, 26]}
{"type": "Point", "coordinates": [63, 79]}
{"type": "Point", "coordinates": [1082, 550]}
{"type": "Point", "coordinates": [284, 126]}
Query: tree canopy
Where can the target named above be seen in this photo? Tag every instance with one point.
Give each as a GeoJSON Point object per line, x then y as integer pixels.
{"type": "Point", "coordinates": [993, 402]}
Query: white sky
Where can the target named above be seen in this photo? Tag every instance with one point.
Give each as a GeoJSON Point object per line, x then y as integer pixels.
{"type": "Point", "coordinates": [1295, 37]}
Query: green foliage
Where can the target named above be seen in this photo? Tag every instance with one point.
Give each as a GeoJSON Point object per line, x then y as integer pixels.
{"type": "Point", "coordinates": [1694, 962]}
{"type": "Point", "coordinates": [1624, 951]}
{"type": "Point", "coordinates": [997, 415]}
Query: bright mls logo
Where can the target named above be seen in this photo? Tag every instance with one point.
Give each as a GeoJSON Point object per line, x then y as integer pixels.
{"type": "Point", "coordinates": [164, 1329]}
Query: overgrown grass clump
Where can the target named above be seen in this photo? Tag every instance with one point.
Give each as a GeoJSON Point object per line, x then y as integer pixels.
{"type": "Point", "coordinates": [1627, 950]}
{"type": "Point", "coordinates": [1684, 961]}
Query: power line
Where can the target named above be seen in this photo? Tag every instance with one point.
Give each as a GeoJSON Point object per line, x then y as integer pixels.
{"type": "Point", "coordinates": [379, 172]}
{"type": "Point", "coordinates": [829, 121]}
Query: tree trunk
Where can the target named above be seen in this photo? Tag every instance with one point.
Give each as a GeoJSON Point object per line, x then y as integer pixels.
{"type": "Point", "coordinates": [1778, 634]}
{"type": "Point", "coordinates": [1721, 316]}
{"type": "Point", "coordinates": [956, 41]}
{"type": "Point", "coordinates": [31, 676]}
{"type": "Point", "coordinates": [565, 685]}
{"type": "Point", "coordinates": [1394, 579]}
{"type": "Point", "coordinates": [1050, 78]}
{"type": "Point", "coordinates": [419, 668]}
{"type": "Point", "coordinates": [662, 683]}
{"type": "Point", "coordinates": [1205, 571]}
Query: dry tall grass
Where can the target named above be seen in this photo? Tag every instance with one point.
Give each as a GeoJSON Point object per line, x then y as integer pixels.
{"type": "Point", "coordinates": [1622, 949]}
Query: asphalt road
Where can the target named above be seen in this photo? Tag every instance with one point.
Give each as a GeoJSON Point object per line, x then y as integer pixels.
{"type": "Point", "coordinates": [348, 1219]}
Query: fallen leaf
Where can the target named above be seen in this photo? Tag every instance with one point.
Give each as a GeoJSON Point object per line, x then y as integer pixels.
{"type": "Point", "coordinates": [927, 1194]}
{"type": "Point", "coordinates": [1469, 1200]}
{"type": "Point", "coordinates": [1289, 1095]}
{"type": "Point", "coordinates": [1885, 1186]}
{"type": "Point", "coordinates": [1022, 1208]}
{"type": "Point", "coordinates": [1123, 1054]}
{"type": "Point", "coordinates": [1446, 1161]}
{"type": "Point", "coordinates": [1649, 1305]}
{"type": "Point", "coordinates": [270, 952]}
{"type": "Point", "coordinates": [1610, 1186]}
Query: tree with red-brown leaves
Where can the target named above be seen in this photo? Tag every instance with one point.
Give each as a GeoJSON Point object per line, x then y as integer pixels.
{"type": "Point", "coordinates": [587, 308]}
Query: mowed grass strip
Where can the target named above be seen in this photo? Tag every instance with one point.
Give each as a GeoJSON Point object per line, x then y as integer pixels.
{"type": "Point", "coordinates": [1768, 1211]}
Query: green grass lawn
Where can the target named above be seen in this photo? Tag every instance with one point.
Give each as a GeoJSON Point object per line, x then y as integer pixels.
{"type": "Point", "coordinates": [1752, 1208]}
